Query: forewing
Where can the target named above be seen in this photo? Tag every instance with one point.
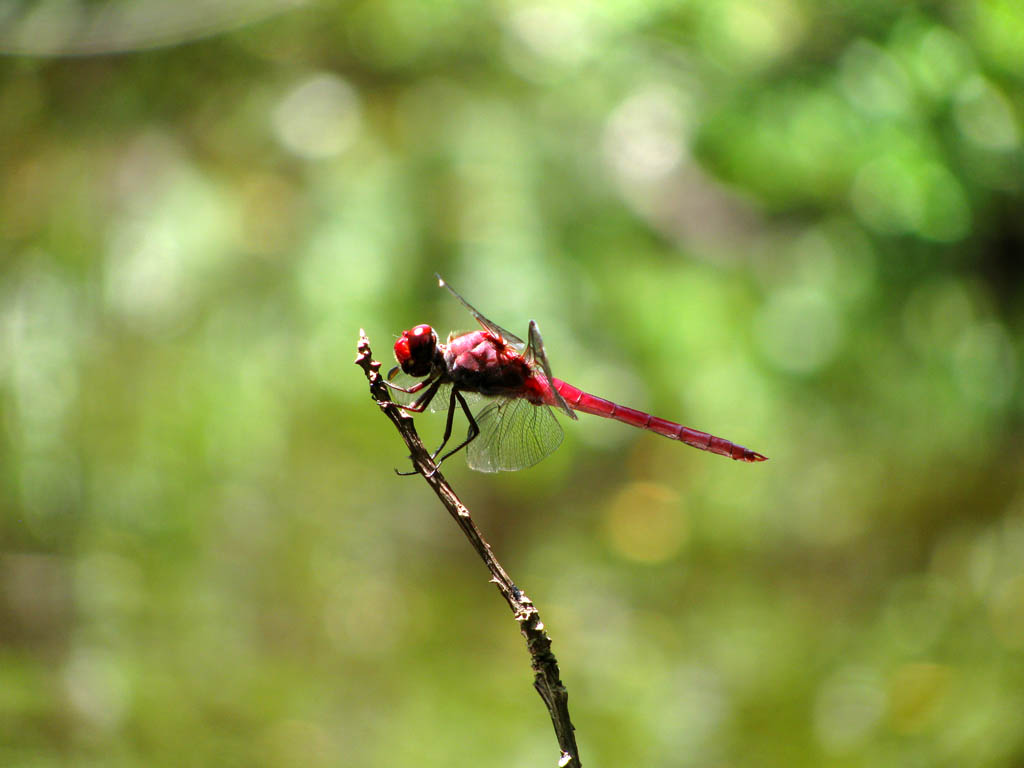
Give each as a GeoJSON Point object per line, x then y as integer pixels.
{"type": "Point", "coordinates": [536, 356]}
{"type": "Point", "coordinates": [494, 328]}
{"type": "Point", "coordinates": [514, 434]}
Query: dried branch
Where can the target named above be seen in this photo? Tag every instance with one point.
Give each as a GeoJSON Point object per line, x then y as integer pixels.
{"type": "Point", "coordinates": [545, 665]}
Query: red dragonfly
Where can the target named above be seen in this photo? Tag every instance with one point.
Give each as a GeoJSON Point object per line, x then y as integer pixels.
{"type": "Point", "coordinates": [516, 428]}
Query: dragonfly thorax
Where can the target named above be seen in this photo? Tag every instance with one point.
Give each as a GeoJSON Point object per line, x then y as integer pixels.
{"type": "Point", "coordinates": [417, 350]}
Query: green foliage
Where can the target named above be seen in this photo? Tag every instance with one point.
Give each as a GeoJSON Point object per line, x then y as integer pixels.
{"type": "Point", "coordinates": [796, 225]}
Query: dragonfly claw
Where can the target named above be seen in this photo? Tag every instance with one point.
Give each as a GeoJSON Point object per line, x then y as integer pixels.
{"type": "Point", "coordinates": [429, 474]}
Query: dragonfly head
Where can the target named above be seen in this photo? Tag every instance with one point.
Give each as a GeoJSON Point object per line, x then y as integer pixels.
{"type": "Point", "coordinates": [415, 350]}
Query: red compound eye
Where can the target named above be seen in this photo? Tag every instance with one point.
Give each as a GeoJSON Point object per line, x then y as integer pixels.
{"type": "Point", "coordinates": [415, 350]}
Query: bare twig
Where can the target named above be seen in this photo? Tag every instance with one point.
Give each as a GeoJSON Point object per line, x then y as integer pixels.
{"type": "Point", "coordinates": [546, 676]}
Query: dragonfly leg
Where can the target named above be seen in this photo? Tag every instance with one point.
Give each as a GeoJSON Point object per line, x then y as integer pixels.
{"type": "Point", "coordinates": [474, 429]}
{"type": "Point", "coordinates": [423, 400]}
{"type": "Point", "coordinates": [448, 424]}
{"type": "Point", "coordinates": [418, 407]}
{"type": "Point", "coordinates": [408, 390]}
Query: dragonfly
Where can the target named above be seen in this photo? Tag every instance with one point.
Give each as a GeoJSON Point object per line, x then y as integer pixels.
{"type": "Point", "coordinates": [515, 427]}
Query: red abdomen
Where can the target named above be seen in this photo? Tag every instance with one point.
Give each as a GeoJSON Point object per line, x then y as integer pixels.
{"type": "Point", "coordinates": [598, 406]}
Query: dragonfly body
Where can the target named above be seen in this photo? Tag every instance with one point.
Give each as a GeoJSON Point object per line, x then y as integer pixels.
{"type": "Point", "coordinates": [516, 428]}
{"type": "Point", "coordinates": [488, 365]}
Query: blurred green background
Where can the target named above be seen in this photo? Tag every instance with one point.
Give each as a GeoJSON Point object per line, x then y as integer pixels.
{"type": "Point", "coordinates": [797, 225]}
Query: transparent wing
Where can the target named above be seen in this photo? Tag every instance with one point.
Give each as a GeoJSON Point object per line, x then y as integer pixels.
{"type": "Point", "coordinates": [514, 434]}
{"type": "Point", "coordinates": [440, 402]}
{"type": "Point", "coordinates": [536, 356]}
{"type": "Point", "coordinates": [494, 328]}
{"type": "Point", "coordinates": [438, 405]}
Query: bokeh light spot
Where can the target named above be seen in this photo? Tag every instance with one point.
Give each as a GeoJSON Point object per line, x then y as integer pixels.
{"type": "Point", "coordinates": [558, 35]}
{"type": "Point", "coordinates": [815, 517]}
{"type": "Point", "coordinates": [898, 192]}
{"type": "Point", "coordinates": [751, 35]}
{"type": "Point", "coordinates": [1006, 612]}
{"type": "Point", "coordinates": [97, 687]}
{"type": "Point", "coordinates": [691, 718]}
{"type": "Point", "coordinates": [945, 213]}
{"type": "Point", "coordinates": [915, 692]}
{"type": "Point", "coordinates": [849, 706]}
{"type": "Point", "coordinates": [799, 330]}
{"type": "Point", "coordinates": [643, 140]}
{"type": "Point", "coordinates": [885, 196]}
{"type": "Point", "coordinates": [935, 315]}
{"type": "Point", "coordinates": [985, 116]}
{"type": "Point", "coordinates": [999, 30]}
{"type": "Point", "coordinates": [986, 364]}
{"type": "Point", "coordinates": [873, 80]}
{"type": "Point", "coordinates": [294, 743]}
{"type": "Point", "coordinates": [366, 618]}
{"type": "Point", "coordinates": [40, 324]}
{"type": "Point", "coordinates": [107, 584]}
{"type": "Point", "coordinates": [941, 60]}
{"type": "Point", "coordinates": [643, 522]}
{"type": "Point", "coordinates": [156, 270]}
{"type": "Point", "coordinates": [917, 614]}
{"type": "Point", "coordinates": [318, 118]}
